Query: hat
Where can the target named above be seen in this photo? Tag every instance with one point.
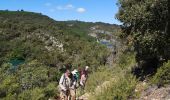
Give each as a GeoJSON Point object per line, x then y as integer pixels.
{"type": "Point", "coordinates": [74, 71]}
{"type": "Point", "coordinates": [87, 67]}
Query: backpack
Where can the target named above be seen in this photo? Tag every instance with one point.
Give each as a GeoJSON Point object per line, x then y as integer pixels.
{"type": "Point", "coordinates": [76, 76]}
{"type": "Point", "coordinates": [83, 72]}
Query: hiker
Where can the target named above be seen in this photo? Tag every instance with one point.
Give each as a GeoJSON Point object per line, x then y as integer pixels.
{"type": "Point", "coordinates": [64, 85]}
{"type": "Point", "coordinates": [75, 77]}
{"type": "Point", "coordinates": [74, 84]}
{"type": "Point", "coordinates": [83, 76]}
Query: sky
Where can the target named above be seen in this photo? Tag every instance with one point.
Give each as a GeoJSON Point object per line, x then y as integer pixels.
{"type": "Point", "coordinates": [62, 10]}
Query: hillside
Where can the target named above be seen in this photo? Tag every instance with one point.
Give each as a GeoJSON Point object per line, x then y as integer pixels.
{"type": "Point", "coordinates": [127, 62]}
{"type": "Point", "coordinates": [33, 48]}
{"type": "Point", "coordinates": [44, 31]}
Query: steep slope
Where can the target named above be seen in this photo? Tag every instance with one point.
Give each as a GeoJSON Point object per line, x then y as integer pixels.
{"type": "Point", "coordinates": [33, 47]}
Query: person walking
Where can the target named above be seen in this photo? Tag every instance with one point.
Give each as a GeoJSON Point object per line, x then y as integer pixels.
{"type": "Point", "coordinates": [74, 84]}
{"type": "Point", "coordinates": [64, 85]}
{"type": "Point", "coordinates": [83, 77]}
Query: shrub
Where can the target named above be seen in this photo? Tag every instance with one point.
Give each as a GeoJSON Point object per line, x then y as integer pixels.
{"type": "Point", "coordinates": [121, 83]}
{"type": "Point", "coordinates": [162, 77]}
{"type": "Point", "coordinates": [51, 90]}
{"type": "Point", "coordinates": [35, 94]}
{"type": "Point", "coordinates": [126, 60]}
{"type": "Point", "coordinates": [97, 78]}
{"type": "Point", "coordinates": [120, 89]}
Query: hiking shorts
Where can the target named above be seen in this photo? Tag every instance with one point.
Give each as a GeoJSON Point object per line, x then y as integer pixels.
{"type": "Point", "coordinates": [72, 92]}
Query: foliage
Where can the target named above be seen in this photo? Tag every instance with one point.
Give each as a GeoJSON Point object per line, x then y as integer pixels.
{"type": "Point", "coordinates": [35, 94]}
{"type": "Point", "coordinates": [97, 78]}
{"type": "Point", "coordinates": [121, 83]}
{"type": "Point", "coordinates": [29, 81]}
{"type": "Point", "coordinates": [121, 89]}
{"type": "Point", "coordinates": [126, 60]}
{"type": "Point", "coordinates": [146, 21]}
{"type": "Point", "coordinates": [162, 77]}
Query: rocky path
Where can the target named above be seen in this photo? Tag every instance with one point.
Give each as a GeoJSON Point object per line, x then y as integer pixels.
{"type": "Point", "coordinates": [149, 93]}
{"type": "Point", "coordinates": [155, 93]}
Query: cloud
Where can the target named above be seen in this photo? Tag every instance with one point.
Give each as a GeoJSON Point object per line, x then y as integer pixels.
{"type": "Point", "coordinates": [69, 6]}
{"type": "Point", "coordinates": [48, 4]}
{"type": "Point", "coordinates": [65, 7]}
{"type": "Point", "coordinates": [81, 10]}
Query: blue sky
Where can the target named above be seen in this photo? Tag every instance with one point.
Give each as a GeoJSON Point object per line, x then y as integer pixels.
{"type": "Point", "coordinates": [84, 10]}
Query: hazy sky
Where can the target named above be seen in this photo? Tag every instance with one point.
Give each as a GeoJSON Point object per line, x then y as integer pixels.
{"type": "Point", "coordinates": [84, 10]}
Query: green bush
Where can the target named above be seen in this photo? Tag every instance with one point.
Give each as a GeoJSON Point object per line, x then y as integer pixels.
{"type": "Point", "coordinates": [162, 77]}
{"type": "Point", "coordinates": [35, 94]}
{"type": "Point", "coordinates": [51, 90]}
{"type": "Point", "coordinates": [97, 78]}
{"type": "Point", "coordinates": [121, 83]}
{"type": "Point", "coordinates": [30, 81]}
{"type": "Point", "coordinates": [126, 60]}
{"type": "Point", "coordinates": [120, 89]}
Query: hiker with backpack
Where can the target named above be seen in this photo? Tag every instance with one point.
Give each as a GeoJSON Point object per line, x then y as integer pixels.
{"type": "Point", "coordinates": [74, 84]}
{"type": "Point", "coordinates": [64, 85]}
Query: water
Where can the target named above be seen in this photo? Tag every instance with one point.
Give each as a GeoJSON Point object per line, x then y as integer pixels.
{"type": "Point", "coordinates": [107, 43]}
{"type": "Point", "coordinates": [16, 62]}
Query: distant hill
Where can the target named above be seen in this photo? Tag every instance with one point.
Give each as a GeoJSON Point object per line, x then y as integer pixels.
{"type": "Point", "coordinates": [89, 27]}
{"type": "Point", "coordinates": [34, 30]}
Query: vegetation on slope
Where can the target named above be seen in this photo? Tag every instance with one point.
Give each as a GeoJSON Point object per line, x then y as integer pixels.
{"type": "Point", "coordinates": [145, 26]}
{"type": "Point", "coordinates": [120, 84]}
{"type": "Point", "coordinates": [33, 47]}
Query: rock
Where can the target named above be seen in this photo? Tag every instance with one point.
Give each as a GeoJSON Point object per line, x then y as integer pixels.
{"type": "Point", "coordinates": [155, 93]}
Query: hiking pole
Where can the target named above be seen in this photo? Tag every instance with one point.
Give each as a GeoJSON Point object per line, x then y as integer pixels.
{"type": "Point", "coordinates": [75, 94]}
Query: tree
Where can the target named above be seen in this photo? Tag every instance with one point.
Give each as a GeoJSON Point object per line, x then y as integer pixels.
{"type": "Point", "coordinates": [146, 21]}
